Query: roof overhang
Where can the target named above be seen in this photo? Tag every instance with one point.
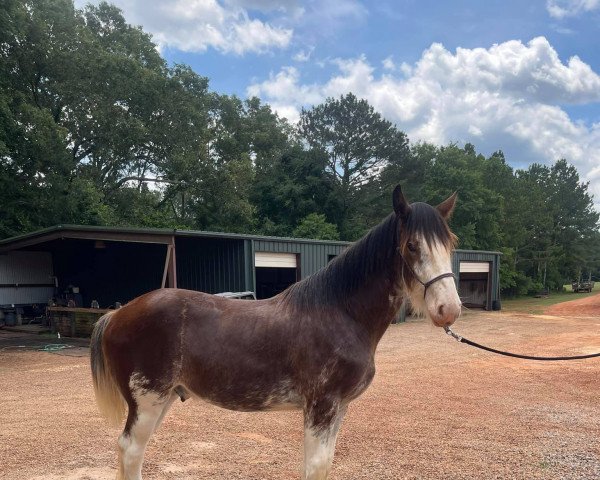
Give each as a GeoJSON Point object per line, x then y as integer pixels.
{"type": "Point", "coordinates": [139, 235]}
{"type": "Point", "coordinates": [59, 232]}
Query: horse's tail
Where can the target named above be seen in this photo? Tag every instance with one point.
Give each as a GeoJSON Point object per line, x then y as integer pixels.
{"type": "Point", "coordinates": [108, 397]}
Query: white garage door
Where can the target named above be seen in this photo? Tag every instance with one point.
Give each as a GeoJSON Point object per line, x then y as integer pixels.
{"type": "Point", "coordinates": [474, 267]}
{"type": "Point", "coordinates": [275, 260]}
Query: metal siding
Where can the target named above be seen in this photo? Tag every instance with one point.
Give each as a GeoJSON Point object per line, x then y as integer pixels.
{"type": "Point", "coordinates": [25, 295]}
{"type": "Point", "coordinates": [26, 268]}
{"type": "Point", "coordinates": [248, 266]}
{"type": "Point", "coordinates": [475, 256]}
{"type": "Point", "coordinates": [211, 265]}
{"type": "Point", "coordinates": [313, 256]}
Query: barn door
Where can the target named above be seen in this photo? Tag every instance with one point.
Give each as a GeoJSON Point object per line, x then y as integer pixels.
{"type": "Point", "coordinates": [474, 284]}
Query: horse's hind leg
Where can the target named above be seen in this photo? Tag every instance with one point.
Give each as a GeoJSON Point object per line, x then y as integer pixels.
{"type": "Point", "coordinates": [146, 411]}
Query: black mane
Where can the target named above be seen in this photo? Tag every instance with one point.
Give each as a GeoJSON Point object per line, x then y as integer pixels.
{"type": "Point", "coordinates": [370, 259]}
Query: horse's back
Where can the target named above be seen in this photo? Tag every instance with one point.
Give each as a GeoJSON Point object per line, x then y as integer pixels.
{"type": "Point", "coordinates": [144, 337]}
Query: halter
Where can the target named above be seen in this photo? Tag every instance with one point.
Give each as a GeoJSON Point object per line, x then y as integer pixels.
{"type": "Point", "coordinates": [428, 284]}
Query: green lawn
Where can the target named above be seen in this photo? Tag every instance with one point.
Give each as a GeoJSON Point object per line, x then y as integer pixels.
{"type": "Point", "coordinates": [538, 305]}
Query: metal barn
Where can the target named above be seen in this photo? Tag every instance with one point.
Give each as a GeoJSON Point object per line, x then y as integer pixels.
{"type": "Point", "coordinates": [81, 266]}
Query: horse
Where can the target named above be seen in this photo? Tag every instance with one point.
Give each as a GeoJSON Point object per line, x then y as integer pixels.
{"type": "Point", "coordinates": [311, 347]}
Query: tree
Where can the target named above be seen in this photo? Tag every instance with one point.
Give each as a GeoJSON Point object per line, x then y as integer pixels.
{"type": "Point", "coordinates": [293, 186]}
{"type": "Point", "coordinates": [87, 108]}
{"type": "Point", "coordinates": [316, 226]}
{"type": "Point", "coordinates": [564, 223]}
{"type": "Point", "coordinates": [479, 209]}
{"type": "Point", "coordinates": [357, 143]}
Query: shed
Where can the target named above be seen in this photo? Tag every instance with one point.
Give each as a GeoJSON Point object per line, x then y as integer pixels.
{"type": "Point", "coordinates": [478, 278]}
{"type": "Point", "coordinates": [82, 264]}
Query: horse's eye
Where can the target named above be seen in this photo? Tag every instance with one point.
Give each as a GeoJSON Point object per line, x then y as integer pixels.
{"type": "Point", "coordinates": [411, 247]}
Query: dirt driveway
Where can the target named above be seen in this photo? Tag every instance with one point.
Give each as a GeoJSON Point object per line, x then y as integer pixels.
{"type": "Point", "coordinates": [436, 410]}
{"type": "Point", "coordinates": [578, 307]}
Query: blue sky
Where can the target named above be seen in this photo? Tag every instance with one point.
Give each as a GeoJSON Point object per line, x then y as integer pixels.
{"type": "Point", "coordinates": [523, 77]}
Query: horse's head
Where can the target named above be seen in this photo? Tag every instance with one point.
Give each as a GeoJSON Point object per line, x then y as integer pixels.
{"type": "Point", "coordinates": [425, 245]}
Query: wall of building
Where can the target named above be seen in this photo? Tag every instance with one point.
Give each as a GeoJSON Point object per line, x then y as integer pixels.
{"type": "Point", "coordinates": [26, 278]}
{"type": "Point", "coordinates": [313, 256]}
{"type": "Point", "coordinates": [211, 265]}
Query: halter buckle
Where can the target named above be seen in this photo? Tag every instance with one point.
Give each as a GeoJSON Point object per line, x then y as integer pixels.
{"type": "Point", "coordinates": [455, 336]}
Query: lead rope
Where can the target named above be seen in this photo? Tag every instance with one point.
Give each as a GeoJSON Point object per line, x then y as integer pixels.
{"type": "Point", "coordinates": [460, 339]}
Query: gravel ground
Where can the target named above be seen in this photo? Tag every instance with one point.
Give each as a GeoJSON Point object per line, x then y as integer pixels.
{"type": "Point", "coordinates": [582, 306]}
{"type": "Point", "coordinates": [436, 410]}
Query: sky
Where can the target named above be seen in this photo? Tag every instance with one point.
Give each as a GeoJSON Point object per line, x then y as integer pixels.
{"type": "Point", "coordinates": [521, 77]}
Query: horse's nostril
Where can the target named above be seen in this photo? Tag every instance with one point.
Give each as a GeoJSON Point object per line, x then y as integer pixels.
{"type": "Point", "coordinates": [441, 310]}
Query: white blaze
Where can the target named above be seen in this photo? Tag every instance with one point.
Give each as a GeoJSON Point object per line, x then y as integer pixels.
{"type": "Point", "coordinates": [441, 304]}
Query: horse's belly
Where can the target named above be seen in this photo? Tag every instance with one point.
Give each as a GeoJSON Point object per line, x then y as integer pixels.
{"type": "Point", "coordinates": [249, 397]}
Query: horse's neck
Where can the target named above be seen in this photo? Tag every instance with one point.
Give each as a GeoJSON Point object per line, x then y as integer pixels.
{"type": "Point", "coordinates": [375, 295]}
{"type": "Point", "coordinates": [363, 282]}
{"type": "Point", "coordinates": [375, 305]}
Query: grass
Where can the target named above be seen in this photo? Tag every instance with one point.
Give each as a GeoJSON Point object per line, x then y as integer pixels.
{"type": "Point", "coordinates": [537, 306]}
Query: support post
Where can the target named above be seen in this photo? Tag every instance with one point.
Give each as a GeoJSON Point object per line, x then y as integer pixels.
{"type": "Point", "coordinates": [166, 267]}
{"type": "Point", "coordinates": [172, 266]}
{"type": "Point", "coordinates": [169, 278]}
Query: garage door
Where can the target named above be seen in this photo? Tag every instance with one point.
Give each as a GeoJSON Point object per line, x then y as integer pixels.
{"type": "Point", "coordinates": [275, 260]}
{"type": "Point", "coordinates": [474, 267]}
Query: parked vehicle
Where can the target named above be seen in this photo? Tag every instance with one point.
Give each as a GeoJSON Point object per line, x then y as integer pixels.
{"type": "Point", "coordinates": [582, 286]}
{"type": "Point", "coordinates": [241, 295]}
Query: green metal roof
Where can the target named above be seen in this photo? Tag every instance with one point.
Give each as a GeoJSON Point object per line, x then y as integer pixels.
{"type": "Point", "coordinates": [488, 252]}
{"type": "Point", "coordinates": [52, 232]}
{"type": "Point", "coordinates": [168, 232]}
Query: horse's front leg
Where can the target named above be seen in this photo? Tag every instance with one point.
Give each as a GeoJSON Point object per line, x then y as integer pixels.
{"type": "Point", "coordinates": [322, 420]}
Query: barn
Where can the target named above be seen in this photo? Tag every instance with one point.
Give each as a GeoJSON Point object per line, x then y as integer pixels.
{"type": "Point", "coordinates": [107, 265]}
{"type": "Point", "coordinates": [478, 278]}
{"type": "Point", "coordinates": [83, 266]}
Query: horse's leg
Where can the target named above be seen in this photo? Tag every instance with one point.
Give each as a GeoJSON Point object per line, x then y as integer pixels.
{"type": "Point", "coordinates": [166, 408]}
{"type": "Point", "coordinates": [321, 426]}
{"type": "Point", "coordinates": [146, 412]}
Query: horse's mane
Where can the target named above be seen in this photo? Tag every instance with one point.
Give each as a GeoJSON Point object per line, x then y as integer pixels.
{"type": "Point", "coordinates": [372, 258]}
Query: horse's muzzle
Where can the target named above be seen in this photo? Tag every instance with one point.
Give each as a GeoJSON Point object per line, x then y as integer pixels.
{"type": "Point", "coordinates": [445, 314]}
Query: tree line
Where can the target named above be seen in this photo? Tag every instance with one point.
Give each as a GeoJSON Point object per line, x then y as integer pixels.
{"type": "Point", "coordinates": [97, 129]}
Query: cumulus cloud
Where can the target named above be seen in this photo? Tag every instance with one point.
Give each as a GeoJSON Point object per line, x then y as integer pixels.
{"type": "Point", "coordinates": [196, 25]}
{"type": "Point", "coordinates": [303, 55]}
{"type": "Point", "coordinates": [506, 97]}
{"type": "Point", "coordinates": [388, 64]}
{"type": "Point", "coordinates": [570, 8]}
{"type": "Point", "coordinates": [266, 5]}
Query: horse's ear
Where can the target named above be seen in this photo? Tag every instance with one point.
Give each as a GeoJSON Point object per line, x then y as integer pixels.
{"type": "Point", "coordinates": [447, 206]}
{"type": "Point", "coordinates": [401, 206]}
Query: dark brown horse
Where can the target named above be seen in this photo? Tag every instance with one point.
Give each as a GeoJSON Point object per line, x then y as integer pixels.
{"type": "Point", "coordinates": [311, 347]}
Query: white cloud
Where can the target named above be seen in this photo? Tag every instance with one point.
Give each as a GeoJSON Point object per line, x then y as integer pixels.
{"type": "Point", "coordinates": [570, 8]}
{"type": "Point", "coordinates": [196, 25]}
{"type": "Point", "coordinates": [506, 97]}
{"type": "Point", "coordinates": [265, 5]}
{"type": "Point", "coordinates": [303, 55]}
{"type": "Point", "coordinates": [388, 64]}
